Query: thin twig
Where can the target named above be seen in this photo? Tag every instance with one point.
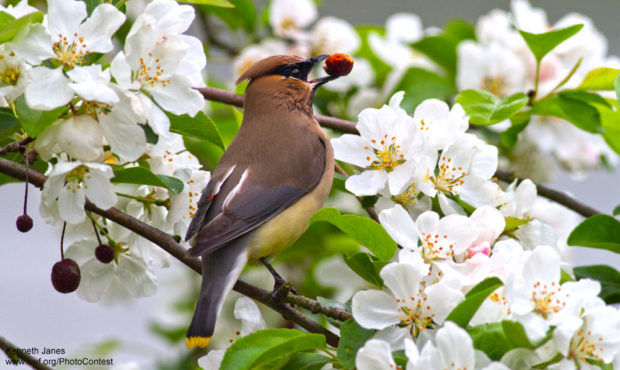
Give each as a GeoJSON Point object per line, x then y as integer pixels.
{"type": "Point", "coordinates": [552, 194]}
{"type": "Point", "coordinates": [167, 243]}
{"type": "Point", "coordinates": [16, 146]}
{"type": "Point", "coordinates": [226, 97]}
{"type": "Point", "coordinates": [17, 355]}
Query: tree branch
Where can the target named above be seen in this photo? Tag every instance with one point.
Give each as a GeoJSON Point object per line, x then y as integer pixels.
{"type": "Point", "coordinates": [552, 194]}
{"type": "Point", "coordinates": [16, 355]}
{"type": "Point", "coordinates": [226, 97]}
{"type": "Point", "coordinates": [16, 146]}
{"type": "Point", "coordinates": [167, 243]}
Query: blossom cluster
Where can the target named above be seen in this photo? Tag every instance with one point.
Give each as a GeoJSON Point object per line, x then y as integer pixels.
{"type": "Point", "coordinates": [102, 102]}
{"type": "Point", "coordinates": [458, 227]}
{"type": "Point", "coordinates": [500, 62]}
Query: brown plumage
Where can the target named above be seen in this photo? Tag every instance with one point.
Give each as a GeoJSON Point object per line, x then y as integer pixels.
{"type": "Point", "coordinates": [274, 175]}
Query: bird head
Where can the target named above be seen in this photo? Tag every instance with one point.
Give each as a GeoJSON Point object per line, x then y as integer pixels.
{"type": "Point", "coordinates": [285, 78]}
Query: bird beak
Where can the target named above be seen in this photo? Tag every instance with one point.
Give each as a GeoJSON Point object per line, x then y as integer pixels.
{"type": "Point", "coordinates": [323, 80]}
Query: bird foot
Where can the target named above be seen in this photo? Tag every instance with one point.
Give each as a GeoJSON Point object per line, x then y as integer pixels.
{"type": "Point", "coordinates": [280, 287]}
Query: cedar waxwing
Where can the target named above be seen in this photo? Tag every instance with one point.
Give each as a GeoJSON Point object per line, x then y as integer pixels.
{"type": "Point", "coordinates": [275, 174]}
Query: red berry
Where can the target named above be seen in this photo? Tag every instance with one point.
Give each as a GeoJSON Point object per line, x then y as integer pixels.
{"type": "Point", "coordinates": [104, 253]}
{"type": "Point", "coordinates": [24, 223]}
{"type": "Point", "coordinates": [66, 276]}
{"type": "Point", "coordinates": [338, 64]}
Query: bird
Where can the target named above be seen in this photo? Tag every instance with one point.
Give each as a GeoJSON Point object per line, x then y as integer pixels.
{"type": "Point", "coordinates": [275, 174]}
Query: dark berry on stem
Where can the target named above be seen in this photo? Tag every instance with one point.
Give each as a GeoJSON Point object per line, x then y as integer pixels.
{"type": "Point", "coordinates": [24, 223]}
{"type": "Point", "coordinates": [104, 253]}
{"type": "Point", "coordinates": [66, 276]}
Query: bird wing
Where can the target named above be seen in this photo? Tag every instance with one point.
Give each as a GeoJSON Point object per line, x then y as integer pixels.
{"type": "Point", "coordinates": [249, 198]}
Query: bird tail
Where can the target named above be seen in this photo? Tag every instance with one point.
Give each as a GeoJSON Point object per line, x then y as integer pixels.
{"type": "Point", "coordinates": [220, 271]}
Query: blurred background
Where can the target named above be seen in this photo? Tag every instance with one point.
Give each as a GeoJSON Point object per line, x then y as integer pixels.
{"type": "Point", "coordinates": [33, 314]}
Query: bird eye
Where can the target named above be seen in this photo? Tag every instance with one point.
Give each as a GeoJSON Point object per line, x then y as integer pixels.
{"type": "Point", "coordinates": [295, 73]}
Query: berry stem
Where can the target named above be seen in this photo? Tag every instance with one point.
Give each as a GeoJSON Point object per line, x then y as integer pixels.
{"type": "Point", "coordinates": [96, 231]}
{"type": "Point", "coordinates": [62, 241]}
{"type": "Point", "coordinates": [26, 192]}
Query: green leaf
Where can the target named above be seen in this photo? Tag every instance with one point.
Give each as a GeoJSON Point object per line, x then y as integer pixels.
{"type": "Point", "coordinates": [518, 122]}
{"type": "Point", "coordinates": [464, 311]}
{"type": "Point", "coordinates": [367, 267]}
{"type": "Point", "coordinates": [512, 223]}
{"type": "Point", "coordinates": [420, 84]}
{"type": "Point", "coordinates": [241, 16]}
{"type": "Point", "coordinates": [363, 229]}
{"type": "Point", "coordinates": [442, 48]}
{"type": "Point", "coordinates": [600, 79]}
{"type": "Point", "coordinates": [515, 332]}
{"type": "Point", "coordinates": [142, 176]}
{"type": "Point", "coordinates": [220, 3]}
{"type": "Point", "coordinates": [617, 210]}
{"type": "Point", "coordinates": [599, 231]}
{"type": "Point", "coordinates": [490, 339]}
{"type": "Point", "coordinates": [8, 123]}
{"type": "Point", "coordinates": [5, 18]}
{"type": "Point", "coordinates": [306, 361]}
{"type": "Point", "coordinates": [352, 338]}
{"type": "Point", "coordinates": [484, 108]}
{"type": "Point", "coordinates": [35, 121]}
{"type": "Point", "coordinates": [10, 29]}
{"type": "Point", "coordinates": [269, 349]}
{"type": "Point", "coordinates": [581, 113]}
{"type": "Point", "coordinates": [617, 87]}
{"type": "Point", "coordinates": [543, 43]}
{"type": "Point", "coordinates": [199, 127]}
{"type": "Point", "coordinates": [607, 276]}
{"type": "Point", "coordinates": [610, 121]}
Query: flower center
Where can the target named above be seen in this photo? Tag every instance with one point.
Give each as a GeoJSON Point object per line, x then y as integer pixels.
{"type": "Point", "coordinates": [435, 246]}
{"type": "Point", "coordinates": [582, 348]}
{"type": "Point", "coordinates": [547, 300]}
{"type": "Point", "coordinates": [74, 179]}
{"type": "Point", "coordinates": [70, 53]}
{"type": "Point", "coordinates": [387, 153]}
{"type": "Point", "coordinates": [149, 76]}
{"type": "Point", "coordinates": [414, 315]}
{"type": "Point", "coordinates": [450, 177]}
{"type": "Point", "coordinates": [495, 85]}
{"type": "Point", "coordinates": [408, 197]}
{"type": "Point", "coordinates": [9, 76]}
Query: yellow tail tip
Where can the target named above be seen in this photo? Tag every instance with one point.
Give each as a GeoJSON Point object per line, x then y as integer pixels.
{"type": "Point", "coordinates": [201, 342]}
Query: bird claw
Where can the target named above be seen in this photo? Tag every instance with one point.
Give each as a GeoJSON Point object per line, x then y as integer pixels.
{"type": "Point", "coordinates": [280, 287]}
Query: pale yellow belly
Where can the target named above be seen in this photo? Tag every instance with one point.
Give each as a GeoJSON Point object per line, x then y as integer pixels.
{"type": "Point", "coordinates": [281, 231]}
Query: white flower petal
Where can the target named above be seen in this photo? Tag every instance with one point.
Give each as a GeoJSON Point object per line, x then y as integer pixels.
{"type": "Point", "coordinates": [400, 226]}
{"type": "Point", "coordinates": [369, 182]}
{"type": "Point", "coordinates": [48, 89]}
{"type": "Point", "coordinates": [64, 17]}
{"type": "Point", "coordinates": [125, 136]}
{"type": "Point", "coordinates": [71, 203]}
{"type": "Point", "coordinates": [136, 277]}
{"type": "Point", "coordinates": [178, 97]}
{"type": "Point", "coordinates": [212, 360]}
{"type": "Point", "coordinates": [99, 28]}
{"type": "Point", "coordinates": [95, 280]}
{"type": "Point", "coordinates": [350, 148]}
{"type": "Point", "coordinates": [456, 346]}
{"type": "Point", "coordinates": [402, 279]}
{"type": "Point", "coordinates": [373, 309]}
{"type": "Point", "coordinates": [81, 137]}
{"type": "Point", "coordinates": [251, 319]}
{"type": "Point", "coordinates": [99, 190]}
{"type": "Point", "coordinates": [375, 355]}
